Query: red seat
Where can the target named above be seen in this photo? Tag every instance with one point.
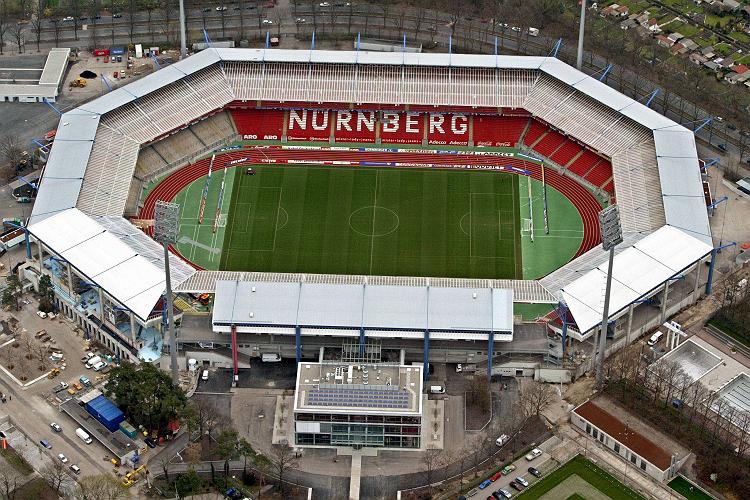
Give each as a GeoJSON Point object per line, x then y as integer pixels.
{"type": "Point", "coordinates": [566, 153]}
{"type": "Point", "coordinates": [600, 174]}
{"type": "Point", "coordinates": [549, 143]}
{"type": "Point", "coordinates": [536, 130]}
{"type": "Point", "coordinates": [583, 163]}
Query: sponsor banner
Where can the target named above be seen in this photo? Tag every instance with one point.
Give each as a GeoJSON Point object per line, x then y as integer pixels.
{"type": "Point", "coordinates": [259, 124]}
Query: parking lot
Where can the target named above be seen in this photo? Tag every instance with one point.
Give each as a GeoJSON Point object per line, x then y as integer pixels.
{"type": "Point", "coordinates": [543, 463]}
{"type": "Point", "coordinates": [33, 408]}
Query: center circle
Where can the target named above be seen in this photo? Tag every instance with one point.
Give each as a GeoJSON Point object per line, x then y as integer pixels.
{"type": "Point", "coordinates": [373, 221]}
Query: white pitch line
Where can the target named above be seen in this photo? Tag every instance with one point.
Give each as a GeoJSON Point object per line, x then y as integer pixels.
{"type": "Point", "coordinates": [374, 212]}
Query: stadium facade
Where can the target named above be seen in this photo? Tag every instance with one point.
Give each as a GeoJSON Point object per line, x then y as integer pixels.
{"type": "Point", "coordinates": [109, 274]}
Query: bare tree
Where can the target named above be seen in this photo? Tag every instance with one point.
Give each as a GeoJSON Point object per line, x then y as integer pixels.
{"type": "Point", "coordinates": [41, 353]}
{"type": "Point", "coordinates": [535, 396]}
{"type": "Point", "coordinates": [17, 30]}
{"type": "Point", "coordinates": [432, 461]}
{"type": "Point", "coordinates": [4, 24]}
{"type": "Point", "coordinates": [11, 149]}
{"type": "Point", "coordinates": [37, 19]}
{"type": "Point", "coordinates": [100, 487]}
{"type": "Point", "coordinates": [93, 8]}
{"type": "Point", "coordinates": [283, 459]}
{"type": "Point", "coordinates": [8, 482]}
{"type": "Point", "coordinates": [56, 474]}
{"type": "Point", "coordinates": [167, 11]}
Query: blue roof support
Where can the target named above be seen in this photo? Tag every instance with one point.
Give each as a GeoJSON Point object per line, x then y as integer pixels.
{"type": "Point", "coordinates": [490, 353]}
{"type": "Point", "coordinates": [298, 343]}
{"type": "Point", "coordinates": [52, 106]}
{"type": "Point", "coordinates": [426, 356]}
{"type": "Point", "coordinates": [606, 72]}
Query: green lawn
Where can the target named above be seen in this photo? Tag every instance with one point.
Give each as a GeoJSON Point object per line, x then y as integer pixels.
{"type": "Point", "coordinates": [381, 221]}
{"type": "Point", "coordinates": [198, 242]}
{"type": "Point", "coordinates": [688, 489]}
{"type": "Point", "coordinates": [589, 472]}
{"type": "Point", "coordinates": [549, 250]}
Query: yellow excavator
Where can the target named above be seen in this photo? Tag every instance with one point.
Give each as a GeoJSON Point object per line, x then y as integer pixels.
{"type": "Point", "coordinates": [78, 82]}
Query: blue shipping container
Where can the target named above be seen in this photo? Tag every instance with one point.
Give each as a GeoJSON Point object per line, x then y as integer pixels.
{"type": "Point", "coordinates": [116, 51]}
{"type": "Point", "coordinates": [105, 412]}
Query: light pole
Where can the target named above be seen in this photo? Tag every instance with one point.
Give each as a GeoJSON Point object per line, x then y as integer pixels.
{"type": "Point", "coordinates": [183, 42]}
{"type": "Point", "coordinates": [609, 224]}
{"type": "Point", "coordinates": [579, 55]}
{"type": "Point", "coordinates": [166, 224]}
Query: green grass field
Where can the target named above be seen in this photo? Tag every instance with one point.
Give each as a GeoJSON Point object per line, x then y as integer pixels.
{"type": "Point", "coordinates": [378, 221]}
{"type": "Point", "coordinates": [688, 489]}
{"type": "Point", "coordinates": [420, 222]}
{"type": "Point", "coordinates": [584, 469]}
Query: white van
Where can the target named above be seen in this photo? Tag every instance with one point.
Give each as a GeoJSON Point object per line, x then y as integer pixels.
{"type": "Point", "coordinates": [204, 375]}
{"type": "Point", "coordinates": [534, 31]}
{"type": "Point", "coordinates": [502, 440]}
{"type": "Point", "coordinates": [437, 389]}
{"type": "Point", "coordinates": [99, 365]}
{"type": "Point", "coordinates": [270, 357]}
{"type": "Point", "coordinates": [83, 435]}
{"type": "Point", "coordinates": [655, 338]}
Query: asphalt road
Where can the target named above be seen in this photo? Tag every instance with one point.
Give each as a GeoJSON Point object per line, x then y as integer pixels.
{"type": "Point", "coordinates": [369, 20]}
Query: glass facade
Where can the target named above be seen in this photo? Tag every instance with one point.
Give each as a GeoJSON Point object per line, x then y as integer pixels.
{"type": "Point", "coordinates": [390, 431]}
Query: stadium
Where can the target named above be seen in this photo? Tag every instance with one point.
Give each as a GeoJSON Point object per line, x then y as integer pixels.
{"type": "Point", "coordinates": [442, 206]}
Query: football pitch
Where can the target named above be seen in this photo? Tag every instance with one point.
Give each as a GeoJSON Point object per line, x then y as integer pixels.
{"type": "Point", "coordinates": [378, 221]}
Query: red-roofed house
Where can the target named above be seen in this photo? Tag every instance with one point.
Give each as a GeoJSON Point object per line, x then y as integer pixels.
{"type": "Point", "coordinates": [664, 41]}
{"type": "Point", "coordinates": [625, 441]}
{"type": "Point", "coordinates": [740, 68]}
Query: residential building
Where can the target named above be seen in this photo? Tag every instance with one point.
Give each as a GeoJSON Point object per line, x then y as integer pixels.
{"type": "Point", "coordinates": [664, 41]}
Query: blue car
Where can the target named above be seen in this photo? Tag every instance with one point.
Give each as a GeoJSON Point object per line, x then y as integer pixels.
{"type": "Point", "coordinates": [46, 444]}
{"type": "Point", "coordinates": [484, 484]}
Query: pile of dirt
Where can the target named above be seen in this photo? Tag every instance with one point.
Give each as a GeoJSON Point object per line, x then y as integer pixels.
{"type": "Point", "coordinates": [88, 75]}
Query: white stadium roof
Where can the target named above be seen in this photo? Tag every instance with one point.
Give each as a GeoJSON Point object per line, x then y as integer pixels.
{"type": "Point", "coordinates": [457, 311]}
{"type": "Point", "coordinates": [655, 165]}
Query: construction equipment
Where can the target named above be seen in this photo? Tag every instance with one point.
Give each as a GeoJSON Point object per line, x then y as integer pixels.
{"type": "Point", "coordinates": [78, 82]}
{"type": "Point", "coordinates": [54, 373]}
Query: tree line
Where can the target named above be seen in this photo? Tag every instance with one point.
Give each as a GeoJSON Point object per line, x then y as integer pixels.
{"type": "Point", "coordinates": [663, 394]}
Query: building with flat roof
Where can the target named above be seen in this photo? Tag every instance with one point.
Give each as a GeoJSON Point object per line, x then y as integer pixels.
{"type": "Point", "coordinates": [626, 441]}
{"type": "Point", "coordinates": [47, 88]}
{"type": "Point", "coordinates": [382, 312]}
{"type": "Point", "coordinates": [366, 405]}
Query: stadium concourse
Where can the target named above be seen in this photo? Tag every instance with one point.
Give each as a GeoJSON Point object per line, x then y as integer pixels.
{"type": "Point", "coordinates": [288, 110]}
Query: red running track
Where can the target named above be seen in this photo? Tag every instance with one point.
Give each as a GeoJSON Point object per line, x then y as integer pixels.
{"type": "Point", "coordinates": [584, 201]}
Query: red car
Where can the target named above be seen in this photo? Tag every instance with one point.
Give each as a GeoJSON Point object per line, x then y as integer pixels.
{"type": "Point", "coordinates": [495, 477]}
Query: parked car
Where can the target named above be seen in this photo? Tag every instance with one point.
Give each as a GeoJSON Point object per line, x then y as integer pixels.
{"type": "Point", "coordinates": [150, 442]}
{"type": "Point", "coordinates": [204, 375]}
{"type": "Point", "coordinates": [67, 19]}
{"type": "Point", "coordinates": [61, 387]}
{"type": "Point", "coordinates": [534, 472]}
{"type": "Point", "coordinates": [535, 453]}
{"type": "Point", "coordinates": [502, 440]}
{"type": "Point", "coordinates": [508, 469]}
{"type": "Point", "coordinates": [76, 470]}
{"type": "Point", "coordinates": [55, 427]}
{"type": "Point", "coordinates": [117, 16]}
{"type": "Point", "coordinates": [63, 458]}
{"type": "Point", "coordinates": [522, 481]}
{"type": "Point", "coordinates": [46, 444]}
{"type": "Point", "coordinates": [484, 484]}
{"type": "Point", "coordinates": [515, 486]}
{"type": "Point", "coordinates": [496, 477]}
{"type": "Point", "coordinates": [99, 366]}
{"type": "Point", "coordinates": [505, 493]}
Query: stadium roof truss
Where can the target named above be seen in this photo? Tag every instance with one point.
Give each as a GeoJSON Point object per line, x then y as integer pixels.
{"type": "Point", "coordinates": [654, 160]}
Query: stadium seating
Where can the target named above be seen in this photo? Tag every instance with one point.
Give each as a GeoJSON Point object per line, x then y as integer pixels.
{"type": "Point", "coordinates": [566, 153]}
{"type": "Point", "coordinates": [534, 132]}
{"type": "Point", "coordinates": [600, 174]}
{"type": "Point", "coordinates": [581, 165]}
{"type": "Point", "coordinates": [149, 161]}
{"type": "Point", "coordinates": [549, 143]}
{"type": "Point", "coordinates": [257, 123]}
{"type": "Point", "coordinates": [214, 128]}
{"type": "Point", "coordinates": [493, 130]}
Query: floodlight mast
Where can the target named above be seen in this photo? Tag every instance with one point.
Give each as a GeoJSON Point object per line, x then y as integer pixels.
{"type": "Point", "coordinates": [611, 231]}
{"type": "Point", "coordinates": [166, 224]}
{"type": "Point", "coordinates": [183, 41]}
{"type": "Point", "coordinates": [579, 55]}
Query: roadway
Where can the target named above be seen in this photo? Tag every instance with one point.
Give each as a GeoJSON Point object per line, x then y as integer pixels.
{"type": "Point", "coordinates": [369, 19]}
